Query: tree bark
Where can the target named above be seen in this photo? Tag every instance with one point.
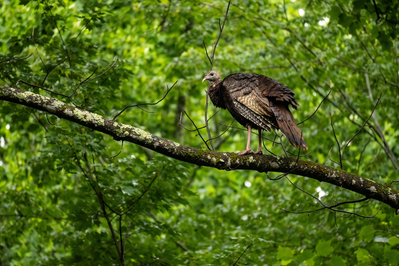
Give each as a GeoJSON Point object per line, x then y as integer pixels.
{"type": "Point", "coordinates": [220, 160]}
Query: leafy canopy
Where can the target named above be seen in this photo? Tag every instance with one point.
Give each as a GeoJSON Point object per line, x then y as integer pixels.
{"type": "Point", "coordinates": [172, 213]}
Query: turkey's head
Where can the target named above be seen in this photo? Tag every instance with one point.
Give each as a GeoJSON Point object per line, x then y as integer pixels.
{"type": "Point", "coordinates": [213, 76]}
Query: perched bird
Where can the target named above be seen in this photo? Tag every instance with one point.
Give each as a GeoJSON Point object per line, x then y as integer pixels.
{"type": "Point", "coordinates": [258, 102]}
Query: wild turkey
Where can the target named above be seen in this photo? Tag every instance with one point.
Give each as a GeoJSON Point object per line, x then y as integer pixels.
{"type": "Point", "coordinates": [258, 102]}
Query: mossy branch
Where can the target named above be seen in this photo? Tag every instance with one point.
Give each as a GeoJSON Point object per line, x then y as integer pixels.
{"type": "Point", "coordinates": [219, 160]}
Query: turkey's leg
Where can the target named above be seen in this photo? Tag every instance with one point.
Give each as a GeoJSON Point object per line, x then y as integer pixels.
{"type": "Point", "coordinates": [248, 149]}
{"type": "Point", "coordinates": [259, 151]}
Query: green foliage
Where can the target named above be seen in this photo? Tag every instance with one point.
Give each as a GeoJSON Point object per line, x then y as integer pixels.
{"type": "Point", "coordinates": [54, 175]}
{"type": "Point", "coordinates": [324, 248]}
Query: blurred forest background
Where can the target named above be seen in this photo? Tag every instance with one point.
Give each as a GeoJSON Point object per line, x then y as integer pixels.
{"type": "Point", "coordinates": [163, 211]}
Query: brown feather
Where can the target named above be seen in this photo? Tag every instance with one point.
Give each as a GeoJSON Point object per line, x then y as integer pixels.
{"type": "Point", "coordinates": [287, 124]}
{"type": "Point", "coordinates": [258, 102]}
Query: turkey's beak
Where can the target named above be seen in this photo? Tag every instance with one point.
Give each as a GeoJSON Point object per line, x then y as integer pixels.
{"type": "Point", "coordinates": [204, 79]}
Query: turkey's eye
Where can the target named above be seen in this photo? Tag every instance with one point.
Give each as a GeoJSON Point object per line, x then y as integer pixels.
{"type": "Point", "coordinates": [211, 74]}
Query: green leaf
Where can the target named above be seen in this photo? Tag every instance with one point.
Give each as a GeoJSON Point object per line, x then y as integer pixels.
{"type": "Point", "coordinates": [324, 248]}
{"type": "Point", "coordinates": [395, 220]}
{"type": "Point", "coordinates": [334, 13]}
{"type": "Point", "coordinates": [284, 253]}
{"type": "Point", "coordinates": [367, 233]}
{"type": "Point", "coordinates": [393, 240]}
{"type": "Point", "coordinates": [337, 261]}
{"type": "Point", "coordinates": [392, 256]}
{"type": "Point", "coordinates": [305, 255]}
{"type": "Point", "coordinates": [358, 4]}
{"type": "Point", "coordinates": [362, 255]}
{"type": "Point", "coordinates": [345, 20]}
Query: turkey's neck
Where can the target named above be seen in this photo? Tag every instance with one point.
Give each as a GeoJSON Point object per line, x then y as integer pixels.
{"type": "Point", "coordinates": [216, 82]}
{"type": "Point", "coordinates": [215, 94]}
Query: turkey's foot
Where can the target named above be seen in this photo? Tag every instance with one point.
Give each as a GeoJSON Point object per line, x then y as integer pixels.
{"type": "Point", "coordinates": [247, 151]}
{"type": "Point", "coordinates": [259, 152]}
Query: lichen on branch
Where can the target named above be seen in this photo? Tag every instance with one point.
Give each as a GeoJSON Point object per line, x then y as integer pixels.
{"type": "Point", "coordinates": [219, 160]}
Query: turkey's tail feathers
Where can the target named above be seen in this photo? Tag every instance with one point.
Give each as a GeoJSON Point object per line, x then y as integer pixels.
{"type": "Point", "coordinates": [287, 125]}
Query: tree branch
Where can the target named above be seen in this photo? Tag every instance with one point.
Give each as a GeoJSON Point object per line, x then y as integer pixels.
{"type": "Point", "coordinates": [219, 160]}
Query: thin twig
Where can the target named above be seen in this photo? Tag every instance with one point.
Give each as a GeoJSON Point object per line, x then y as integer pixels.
{"type": "Point", "coordinates": [138, 105]}
{"type": "Point", "coordinates": [142, 194]}
{"type": "Point", "coordinates": [365, 123]}
{"type": "Point", "coordinates": [86, 80]}
{"type": "Point", "coordinates": [336, 140]}
{"type": "Point", "coordinates": [191, 130]}
{"type": "Point", "coordinates": [121, 239]}
{"type": "Point", "coordinates": [392, 232]}
{"type": "Point", "coordinates": [329, 157]}
{"type": "Point", "coordinates": [40, 122]}
{"type": "Point", "coordinates": [250, 245]}
{"type": "Point", "coordinates": [48, 73]}
{"type": "Point", "coordinates": [292, 169]}
{"type": "Point", "coordinates": [48, 120]}
{"type": "Point", "coordinates": [378, 128]}
{"type": "Point", "coordinates": [206, 51]}
{"type": "Point", "coordinates": [113, 157]}
{"type": "Point", "coordinates": [203, 140]}
{"type": "Point", "coordinates": [211, 61]}
{"type": "Point", "coordinates": [325, 97]}
{"type": "Point", "coordinates": [62, 39]}
{"type": "Point", "coordinates": [15, 58]}
{"type": "Point", "coordinates": [34, 42]}
{"type": "Point", "coordinates": [96, 77]}
{"type": "Point", "coordinates": [106, 216]}
{"type": "Point", "coordinates": [331, 207]}
{"type": "Point", "coordinates": [228, 127]}
{"type": "Point", "coordinates": [361, 155]}
{"type": "Point", "coordinates": [40, 87]}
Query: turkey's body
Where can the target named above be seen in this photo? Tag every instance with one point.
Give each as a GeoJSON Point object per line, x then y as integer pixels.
{"type": "Point", "coordinates": [259, 102]}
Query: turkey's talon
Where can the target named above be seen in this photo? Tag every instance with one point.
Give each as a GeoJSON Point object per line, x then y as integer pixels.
{"type": "Point", "coordinates": [246, 152]}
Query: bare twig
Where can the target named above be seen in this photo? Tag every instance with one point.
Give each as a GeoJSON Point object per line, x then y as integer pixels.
{"type": "Point", "coordinates": [339, 146]}
{"type": "Point", "coordinates": [121, 239]}
{"type": "Point", "coordinates": [62, 39]}
{"type": "Point", "coordinates": [325, 97]}
{"type": "Point", "coordinates": [112, 157]}
{"type": "Point", "coordinates": [191, 130]}
{"type": "Point", "coordinates": [203, 140]}
{"type": "Point", "coordinates": [392, 232]}
{"type": "Point", "coordinates": [142, 194]}
{"type": "Point", "coordinates": [211, 61]}
{"type": "Point", "coordinates": [40, 87]}
{"type": "Point", "coordinates": [48, 120]}
{"type": "Point", "coordinates": [361, 155]}
{"type": "Point", "coordinates": [102, 204]}
{"type": "Point", "coordinates": [34, 42]}
{"type": "Point", "coordinates": [40, 122]}
{"type": "Point", "coordinates": [206, 51]}
{"type": "Point", "coordinates": [281, 143]}
{"type": "Point", "coordinates": [330, 207]}
{"type": "Point", "coordinates": [48, 72]}
{"type": "Point", "coordinates": [96, 77]}
{"type": "Point", "coordinates": [221, 134]}
{"type": "Point", "coordinates": [138, 105]}
{"type": "Point", "coordinates": [329, 157]}
{"type": "Point", "coordinates": [292, 169]}
{"type": "Point", "coordinates": [86, 80]}
{"type": "Point", "coordinates": [365, 123]}
{"type": "Point", "coordinates": [378, 129]}
{"type": "Point", "coordinates": [15, 58]}
{"type": "Point", "coordinates": [378, 13]}
{"type": "Point", "coordinates": [250, 245]}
